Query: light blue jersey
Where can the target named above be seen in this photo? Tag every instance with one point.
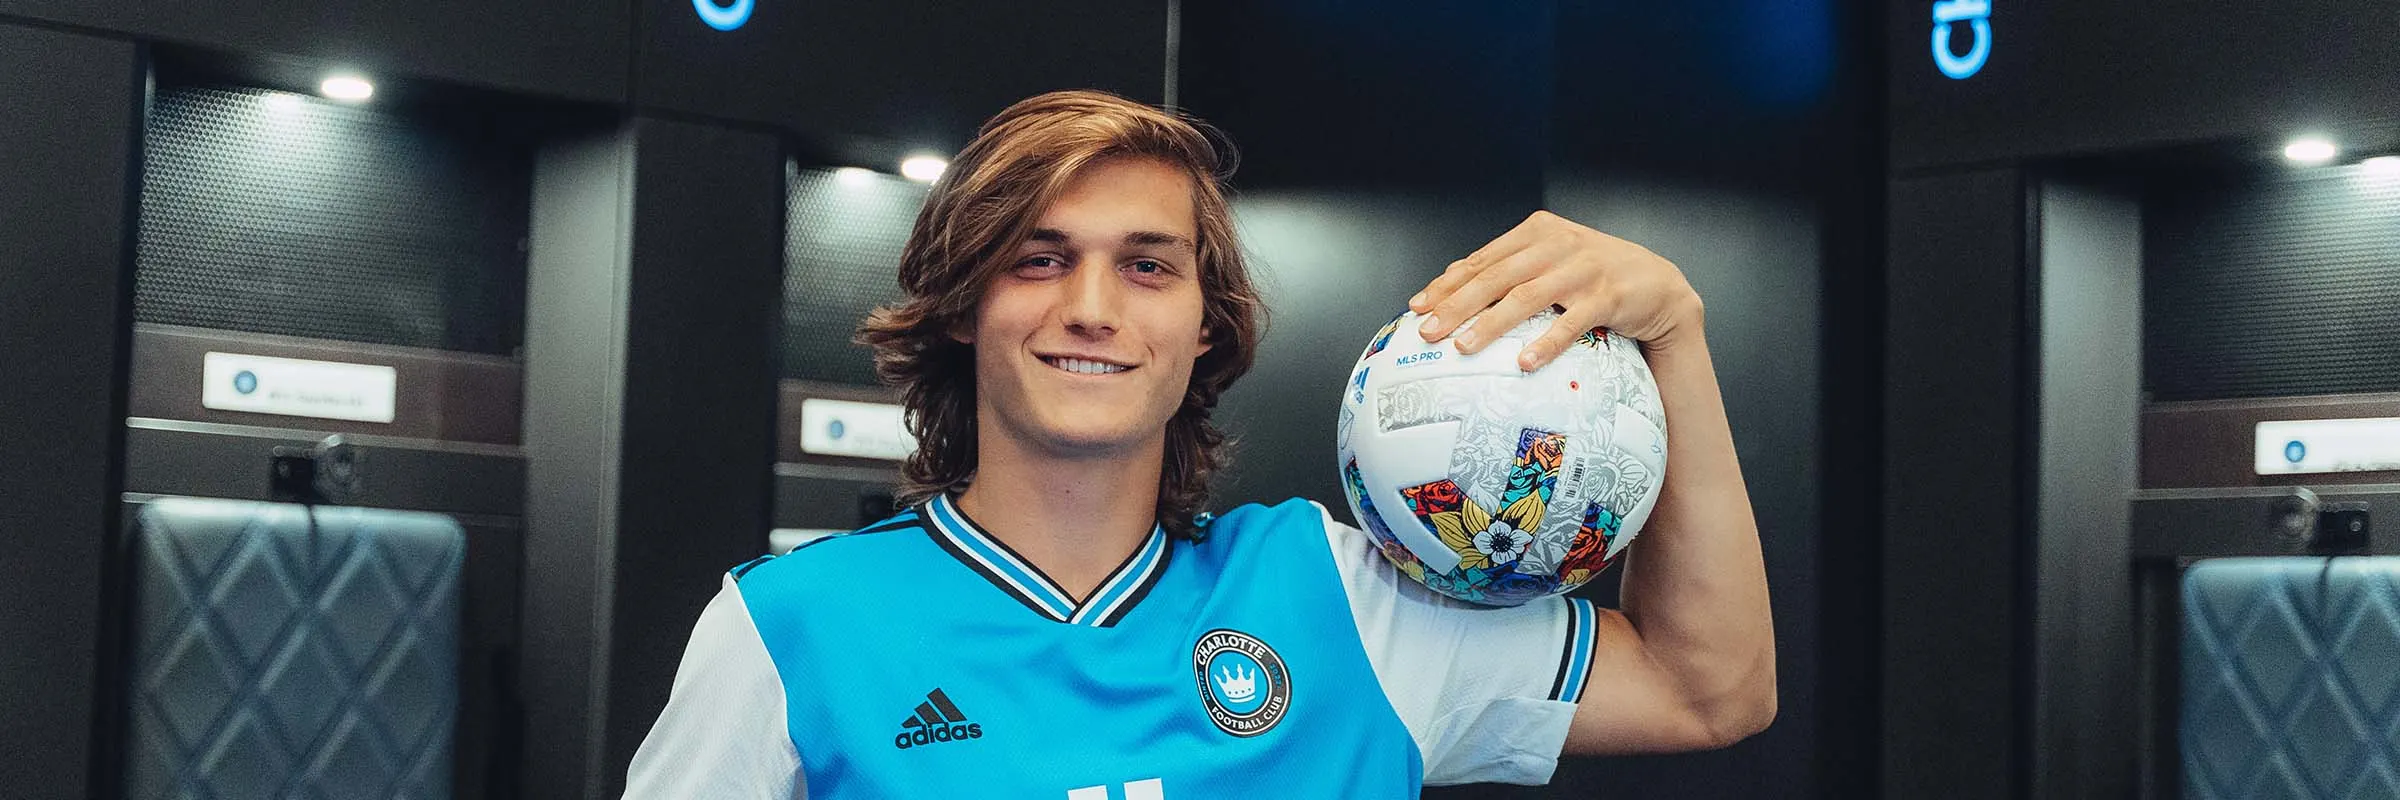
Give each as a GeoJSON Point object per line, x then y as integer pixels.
{"type": "Point", "coordinates": [1279, 656]}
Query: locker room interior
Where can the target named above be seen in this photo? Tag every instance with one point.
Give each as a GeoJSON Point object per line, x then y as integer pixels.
{"type": "Point", "coordinates": [2026, 338]}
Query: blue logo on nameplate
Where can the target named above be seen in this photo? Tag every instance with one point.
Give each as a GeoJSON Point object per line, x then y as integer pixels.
{"type": "Point", "coordinates": [2295, 451]}
{"type": "Point", "coordinates": [245, 382]}
{"type": "Point", "coordinates": [1244, 685]}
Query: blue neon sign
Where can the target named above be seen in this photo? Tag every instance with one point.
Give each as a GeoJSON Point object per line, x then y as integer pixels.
{"type": "Point", "coordinates": [1976, 13]}
{"type": "Point", "coordinates": [725, 17]}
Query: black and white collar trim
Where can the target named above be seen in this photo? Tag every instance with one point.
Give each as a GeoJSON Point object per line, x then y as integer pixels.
{"type": "Point", "coordinates": [1010, 572]}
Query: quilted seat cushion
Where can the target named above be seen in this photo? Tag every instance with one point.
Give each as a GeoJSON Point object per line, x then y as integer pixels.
{"type": "Point", "coordinates": [2290, 667]}
{"type": "Point", "coordinates": [284, 651]}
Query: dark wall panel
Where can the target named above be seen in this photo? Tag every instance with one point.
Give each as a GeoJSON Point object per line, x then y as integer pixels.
{"type": "Point", "coordinates": [66, 186]}
{"type": "Point", "coordinates": [695, 491]}
{"type": "Point", "coordinates": [2114, 74]}
{"type": "Point", "coordinates": [574, 399]}
{"type": "Point", "coordinates": [2274, 284]}
{"type": "Point", "coordinates": [567, 48]}
{"type": "Point", "coordinates": [1953, 537]}
{"type": "Point", "coordinates": [2089, 278]}
{"type": "Point", "coordinates": [862, 78]}
{"type": "Point", "coordinates": [649, 430]}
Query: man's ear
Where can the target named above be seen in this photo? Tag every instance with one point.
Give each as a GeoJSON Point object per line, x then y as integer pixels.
{"type": "Point", "coordinates": [1207, 343]}
{"type": "Point", "coordinates": [962, 331]}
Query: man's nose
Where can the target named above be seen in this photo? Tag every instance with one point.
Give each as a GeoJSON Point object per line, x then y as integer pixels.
{"type": "Point", "coordinates": [1095, 298]}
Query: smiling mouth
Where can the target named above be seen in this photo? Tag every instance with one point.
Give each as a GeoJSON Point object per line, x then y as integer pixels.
{"type": "Point", "coordinates": [1084, 367]}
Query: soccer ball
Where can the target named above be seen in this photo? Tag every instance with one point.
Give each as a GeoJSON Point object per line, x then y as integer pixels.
{"type": "Point", "coordinates": [1491, 484]}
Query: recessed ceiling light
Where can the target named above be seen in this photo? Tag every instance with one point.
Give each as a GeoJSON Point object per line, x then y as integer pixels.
{"type": "Point", "coordinates": [2311, 150]}
{"type": "Point", "coordinates": [923, 168]}
{"type": "Point", "coordinates": [347, 87]}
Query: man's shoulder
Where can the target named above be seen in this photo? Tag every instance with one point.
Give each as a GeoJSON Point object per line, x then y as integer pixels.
{"type": "Point", "coordinates": [1257, 524]}
{"type": "Point", "coordinates": [1298, 511]}
{"type": "Point", "coordinates": [818, 561]}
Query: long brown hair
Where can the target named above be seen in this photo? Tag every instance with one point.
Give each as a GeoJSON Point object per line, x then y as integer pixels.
{"type": "Point", "coordinates": [983, 208]}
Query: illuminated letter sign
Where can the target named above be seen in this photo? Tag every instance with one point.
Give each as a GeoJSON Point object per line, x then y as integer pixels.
{"type": "Point", "coordinates": [729, 17]}
{"type": "Point", "coordinates": [1976, 13]}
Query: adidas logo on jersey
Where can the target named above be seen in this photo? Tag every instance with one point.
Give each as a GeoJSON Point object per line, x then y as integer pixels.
{"type": "Point", "coordinates": [936, 720]}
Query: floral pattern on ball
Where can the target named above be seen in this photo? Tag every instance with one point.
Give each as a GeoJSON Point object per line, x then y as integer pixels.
{"type": "Point", "coordinates": [1501, 559]}
{"type": "Point", "coordinates": [1591, 553]}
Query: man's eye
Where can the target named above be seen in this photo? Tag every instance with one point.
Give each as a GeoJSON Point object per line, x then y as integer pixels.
{"type": "Point", "coordinates": [1149, 267]}
{"type": "Point", "coordinates": [1040, 264]}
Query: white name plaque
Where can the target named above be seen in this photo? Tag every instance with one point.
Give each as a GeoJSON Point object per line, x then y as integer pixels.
{"type": "Point", "coordinates": [858, 430]}
{"type": "Point", "coordinates": [2293, 447]}
{"type": "Point", "coordinates": [297, 388]}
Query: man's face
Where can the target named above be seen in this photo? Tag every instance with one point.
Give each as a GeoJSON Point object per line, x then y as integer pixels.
{"type": "Point", "coordinates": [1084, 344]}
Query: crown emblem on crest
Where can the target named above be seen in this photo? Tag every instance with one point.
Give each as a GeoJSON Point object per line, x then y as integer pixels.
{"type": "Point", "coordinates": [1238, 683]}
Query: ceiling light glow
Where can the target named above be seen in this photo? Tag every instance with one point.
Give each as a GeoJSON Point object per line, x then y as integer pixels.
{"type": "Point", "coordinates": [2311, 150]}
{"type": "Point", "coordinates": [347, 87]}
{"type": "Point", "coordinates": [923, 169]}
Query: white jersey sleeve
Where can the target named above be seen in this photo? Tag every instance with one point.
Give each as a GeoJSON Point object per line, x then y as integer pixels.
{"type": "Point", "coordinates": [722, 734]}
{"type": "Point", "coordinates": [1486, 692]}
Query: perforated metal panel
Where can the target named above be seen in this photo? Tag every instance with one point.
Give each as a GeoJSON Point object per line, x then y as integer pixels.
{"type": "Point", "coordinates": [2287, 284]}
{"type": "Point", "coordinates": [279, 213]}
{"type": "Point", "coordinates": [841, 259]}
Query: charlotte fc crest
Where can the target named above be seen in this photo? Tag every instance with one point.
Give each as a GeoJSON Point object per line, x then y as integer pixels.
{"type": "Point", "coordinates": [1243, 682]}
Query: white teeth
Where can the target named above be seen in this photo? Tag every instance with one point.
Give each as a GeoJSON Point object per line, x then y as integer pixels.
{"type": "Point", "coordinates": [1082, 367]}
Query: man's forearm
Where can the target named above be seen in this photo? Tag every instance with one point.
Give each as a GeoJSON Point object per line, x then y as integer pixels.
{"type": "Point", "coordinates": [1695, 584]}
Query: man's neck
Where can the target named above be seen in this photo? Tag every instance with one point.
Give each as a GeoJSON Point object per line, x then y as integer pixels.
{"type": "Point", "coordinates": [1075, 518]}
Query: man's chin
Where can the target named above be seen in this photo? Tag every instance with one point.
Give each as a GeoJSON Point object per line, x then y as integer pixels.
{"type": "Point", "coordinates": [1081, 439]}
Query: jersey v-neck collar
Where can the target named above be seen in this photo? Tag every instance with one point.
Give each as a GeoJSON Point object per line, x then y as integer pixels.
{"type": "Point", "coordinates": [1012, 574]}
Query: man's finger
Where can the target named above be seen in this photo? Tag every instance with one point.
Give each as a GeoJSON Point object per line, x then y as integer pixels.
{"type": "Point", "coordinates": [1524, 235]}
{"type": "Point", "coordinates": [1456, 275]}
{"type": "Point", "coordinates": [1520, 305]}
{"type": "Point", "coordinates": [1581, 316]}
{"type": "Point", "coordinates": [1488, 285]}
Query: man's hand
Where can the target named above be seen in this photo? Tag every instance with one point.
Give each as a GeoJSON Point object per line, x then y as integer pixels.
{"type": "Point", "coordinates": [1598, 280]}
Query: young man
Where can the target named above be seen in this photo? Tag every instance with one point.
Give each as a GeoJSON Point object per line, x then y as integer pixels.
{"type": "Point", "coordinates": [1048, 619]}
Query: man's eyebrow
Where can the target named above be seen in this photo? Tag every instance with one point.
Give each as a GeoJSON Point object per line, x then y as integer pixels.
{"type": "Point", "coordinates": [1134, 239]}
{"type": "Point", "coordinates": [1140, 238]}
